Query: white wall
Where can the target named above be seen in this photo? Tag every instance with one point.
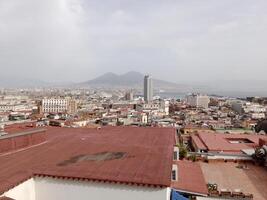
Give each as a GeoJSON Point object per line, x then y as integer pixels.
{"type": "Point", "coordinates": [203, 101]}
{"type": "Point", "coordinates": [229, 157]}
{"type": "Point", "coordinates": [58, 189]}
{"type": "Point", "coordinates": [44, 188]}
{"type": "Point", "coordinates": [168, 195]}
{"type": "Point", "coordinates": [24, 191]}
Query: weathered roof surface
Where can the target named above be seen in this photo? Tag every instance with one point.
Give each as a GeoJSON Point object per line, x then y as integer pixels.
{"type": "Point", "coordinates": [252, 180]}
{"type": "Point", "coordinates": [18, 134]}
{"type": "Point", "coordinates": [21, 140]}
{"type": "Point", "coordinates": [221, 142]}
{"type": "Point", "coordinates": [190, 178]}
{"type": "Point", "coordinates": [116, 154]}
{"type": "Point", "coordinates": [18, 127]}
{"type": "Point", "coordinates": [198, 142]}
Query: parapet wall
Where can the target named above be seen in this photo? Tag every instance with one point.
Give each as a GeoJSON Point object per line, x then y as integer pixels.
{"type": "Point", "coordinates": [16, 141]}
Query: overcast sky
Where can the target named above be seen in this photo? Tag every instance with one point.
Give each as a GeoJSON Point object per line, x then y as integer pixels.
{"type": "Point", "coordinates": [177, 40]}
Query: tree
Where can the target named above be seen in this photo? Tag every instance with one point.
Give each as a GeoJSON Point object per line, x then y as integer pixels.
{"type": "Point", "coordinates": [182, 151]}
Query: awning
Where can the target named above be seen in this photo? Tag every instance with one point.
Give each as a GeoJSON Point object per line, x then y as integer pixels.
{"type": "Point", "coordinates": [176, 196]}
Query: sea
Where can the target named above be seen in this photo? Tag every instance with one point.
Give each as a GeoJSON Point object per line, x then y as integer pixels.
{"type": "Point", "coordinates": [171, 95]}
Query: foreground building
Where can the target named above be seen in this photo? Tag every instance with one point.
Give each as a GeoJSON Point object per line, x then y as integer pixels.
{"type": "Point", "coordinates": [108, 163]}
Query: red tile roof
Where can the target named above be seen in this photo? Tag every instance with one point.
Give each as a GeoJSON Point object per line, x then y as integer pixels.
{"type": "Point", "coordinates": [70, 152]}
{"type": "Point", "coordinates": [221, 142]}
{"type": "Point", "coordinates": [190, 178]}
{"type": "Point", "coordinates": [18, 127]}
{"type": "Point", "coordinates": [198, 142]}
{"type": "Point", "coordinates": [24, 139]}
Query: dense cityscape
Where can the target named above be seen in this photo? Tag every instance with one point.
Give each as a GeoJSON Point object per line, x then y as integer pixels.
{"type": "Point", "coordinates": [133, 100]}
{"type": "Point", "coordinates": [197, 147]}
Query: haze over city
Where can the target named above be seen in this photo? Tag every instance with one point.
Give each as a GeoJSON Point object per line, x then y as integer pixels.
{"type": "Point", "coordinates": [178, 41]}
{"type": "Point", "coordinates": [133, 100]}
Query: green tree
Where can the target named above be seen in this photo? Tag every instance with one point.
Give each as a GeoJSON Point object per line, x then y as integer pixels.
{"type": "Point", "coordinates": [182, 151]}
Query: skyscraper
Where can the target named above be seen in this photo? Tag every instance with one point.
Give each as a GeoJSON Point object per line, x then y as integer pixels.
{"type": "Point", "coordinates": [148, 88]}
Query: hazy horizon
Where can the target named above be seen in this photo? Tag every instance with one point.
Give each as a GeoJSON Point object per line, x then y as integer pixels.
{"type": "Point", "coordinates": [178, 41]}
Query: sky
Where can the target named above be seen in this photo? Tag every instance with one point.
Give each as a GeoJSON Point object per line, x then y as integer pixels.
{"type": "Point", "coordinates": [175, 40]}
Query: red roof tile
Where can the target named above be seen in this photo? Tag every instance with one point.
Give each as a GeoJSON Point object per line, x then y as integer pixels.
{"type": "Point", "coordinates": [18, 127]}
{"type": "Point", "coordinates": [198, 142]}
{"type": "Point", "coordinates": [16, 141]}
{"type": "Point", "coordinates": [190, 178]}
{"type": "Point", "coordinates": [82, 153]}
{"type": "Point", "coordinates": [221, 142]}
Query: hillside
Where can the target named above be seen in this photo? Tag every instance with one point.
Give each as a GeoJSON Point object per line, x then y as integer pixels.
{"type": "Point", "coordinates": [130, 79]}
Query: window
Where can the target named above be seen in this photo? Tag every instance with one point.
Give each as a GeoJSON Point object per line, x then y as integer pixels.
{"type": "Point", "coordinates": [174, 175]}
{"type": "Point", "coordinates": [174, 172]}
{"type": "Point", "coordinates": [175, 153]}
{"type": "Point", "coordinates": [175, 156]}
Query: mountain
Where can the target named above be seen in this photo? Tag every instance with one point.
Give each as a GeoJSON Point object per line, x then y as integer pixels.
{"type": "Point", "coordinates": [131, 79]}
{"type": "Point", "coordinates": [111, 79]}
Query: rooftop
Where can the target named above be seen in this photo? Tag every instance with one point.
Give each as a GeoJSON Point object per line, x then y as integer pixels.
{"type": "Point", "coordinates": [190, 178]}
{"type": "Point", "coordinates": [226, 142]}
{"type": "Point", "coordinates": [251, 179]}
{"type": "Point", "coordinates": [18, 127]}
{"type": "Point", "coordinates": [130, 155]}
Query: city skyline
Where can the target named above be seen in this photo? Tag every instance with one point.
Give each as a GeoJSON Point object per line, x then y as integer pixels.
{"type": "Point", "coordinates": [136, 100]}
{"type": "Point", "coordinates": [177, 41]}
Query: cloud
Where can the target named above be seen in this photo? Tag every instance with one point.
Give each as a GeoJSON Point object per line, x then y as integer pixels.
{"type": "Point", "coordinates": [42, 38]}
{"type": "Point", "coordinates": [75, 40]}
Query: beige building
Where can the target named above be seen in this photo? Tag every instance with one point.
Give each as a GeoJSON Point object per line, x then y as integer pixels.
{"type": "Point", "coordinates": [58, 105]}
{"type": "Point", "coordinates": [199, 101]}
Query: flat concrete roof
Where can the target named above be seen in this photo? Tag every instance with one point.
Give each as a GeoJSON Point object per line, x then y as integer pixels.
{"type": "Point", "coordinates": [227, 176]}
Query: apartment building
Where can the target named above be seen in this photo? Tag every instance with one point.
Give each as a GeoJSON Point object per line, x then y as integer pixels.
{"type": "Point", "coordinates": [58, 105]}
{"type": "Point", "coordinates": [199, 101]}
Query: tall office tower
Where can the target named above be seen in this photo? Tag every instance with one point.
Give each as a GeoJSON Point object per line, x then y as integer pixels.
{"type": "Point", "coordinates": [148, 89]}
